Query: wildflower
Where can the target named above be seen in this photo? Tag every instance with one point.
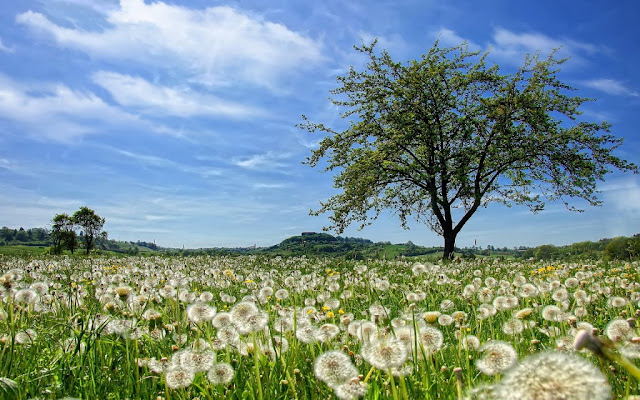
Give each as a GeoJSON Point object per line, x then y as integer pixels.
{"type": "Point", "coordinates": [334, 368]}
{"type": "Point", "coordinates": [446, 305]}
{"type": "Point", "coordinates": [553, 375]}
{"type": "Point", "coordinates": [560, 295]}
{"type": "Point", "coordinates": [366, 331]}
{"type": "Point", "coordinates": [616, 302]}
{"type": "Point", "coordinates": [431, 339]}
{"type": "Point", "coordinates": [241, 311]}
{"type": "Point", "coordinates": [40, 287]}
{"type": "Point", "coordinates": [385, 353]}
{"type": "Point", "coordinates": [431, 316]}
{"type": "Point", "coordinates": [306, 334]}
{"type": "Point", "coordinates": [524, 313]}
{"type": "Point", "coordinates": [445, 320]}
{"type": "Point", "coordinates": [179, 377]}
{"type": "Point", "coordinates": [252, 323]}
{"type": "Point", "coordinates": [619, 330]}
{"type": "Point", "coordinates": [351, 389]}
{"type": "Point", "coordinates": [196, 360]}
{"type": "Point", "coordinates": [26, 336]}
{"type": "Point", "coordinates": [498, 356]}
{"type": "Point", "coordinates": [513, 327]}
{"type": "Point", "coordinates": [528, 290]}
{"type": "Point", "coordinates": [471, 342]}
{"type": "Point", "coordinates": [228, 335]}
{"type": "Point", "coordinates": [327, 332]}
{"type": "Point", "coordinates": [221, 319]}
{"type": "Point", "coordinates": [206, 297]}
{"type": "Point", "coordinates": [26, 296]}
{"type": "Point", "coordinates": [221, 373]}
{"type": "Point", "coordinates": [151, 315]}
{"type": "Point", "coordinates": [553, 313]}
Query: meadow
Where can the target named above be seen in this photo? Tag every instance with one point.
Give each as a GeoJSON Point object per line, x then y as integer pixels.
{"type": "Point", "coordinates": [253, 327]}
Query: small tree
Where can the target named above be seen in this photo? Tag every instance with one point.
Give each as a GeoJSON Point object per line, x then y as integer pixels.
{"type": "Point", "coordinates": [91, 225]}
{"type": "Point", "coordinates": [435, 139]}
{"type": "Point", "coordinates": [63, 234]}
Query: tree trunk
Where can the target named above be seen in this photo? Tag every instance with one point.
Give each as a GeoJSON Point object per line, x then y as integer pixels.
{"type": "Point", "coordinates": [449, 245]}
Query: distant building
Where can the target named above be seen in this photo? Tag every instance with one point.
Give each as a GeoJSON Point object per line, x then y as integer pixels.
{"type": "Point", "coordinates": [307, 233]}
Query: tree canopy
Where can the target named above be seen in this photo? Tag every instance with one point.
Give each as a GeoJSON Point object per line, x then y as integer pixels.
{"type": "Point", "coordinates": [437, 138]}
{"type": "Point", "coordinates": [91, 225]}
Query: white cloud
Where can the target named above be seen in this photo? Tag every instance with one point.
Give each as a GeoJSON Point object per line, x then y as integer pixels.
{"type": "Point", "coordinates": [266, 161]}
{"type": "Point", "coordinates": [59, 113]}
{"type": "Point", "coordinates": [611, 86]}
{"type": "Point", "coordinates": [5, 48]}
{"type": "Point", "coordinates": [623, 194]}
{"type": "Point", "coordinates": [448, 37]}
{"type": "Point", "coordinates": [219, 44]}
{"type": "Point", "coordinates": [139, 93]}
{"type": "Point", "coordinates": [512, 47]}
{"type": "Point", "coordinates": [259, 186]}
{"type": "Point", "coordinates": [159, 162]}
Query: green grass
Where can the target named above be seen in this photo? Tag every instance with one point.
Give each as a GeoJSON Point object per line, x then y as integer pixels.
{"type": "Point", "coordinates": [88, 333]}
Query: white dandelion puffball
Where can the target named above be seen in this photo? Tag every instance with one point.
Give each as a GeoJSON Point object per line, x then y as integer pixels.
{"type": "Point", "coordinates": [553, 375]}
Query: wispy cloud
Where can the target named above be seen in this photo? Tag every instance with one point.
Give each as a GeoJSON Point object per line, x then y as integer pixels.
{"type": "Point", "coordinates": [611, 86]}
{"type": "Point", "coordinates": [448, 37]}
{"type": "Point", "coordinates": [50, 111]}
{"type": "Point", "coordinates": [512, 47]}
{"type": "Point", "coordinates": [159, 162]}
{"type": "Point", "coordinates": [269, 186]}
{"type": "Point", "coordinates": [623, 194]}
{"type": "Point", "coordinates": [266, 161]}
{"type": "Point", "coordinates": [221, 44]}
{"type": "Point", "coordinates": [139, 93]}
{"type": "Point", "coordinates": [4, 48]}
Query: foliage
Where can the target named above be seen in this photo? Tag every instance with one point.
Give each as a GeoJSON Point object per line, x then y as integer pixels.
{"type": "Point", "coordinates": [91, 225]}
{"type": "Point", "coordinates": [437, 138]}
{"type": "Point", "coordinates": [63, 234]}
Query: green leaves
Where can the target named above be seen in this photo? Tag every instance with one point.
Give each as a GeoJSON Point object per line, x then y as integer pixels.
{"type": "Point", "coordinates": [439, 137]}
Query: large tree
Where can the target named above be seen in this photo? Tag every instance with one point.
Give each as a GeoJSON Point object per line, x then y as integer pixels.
{"type": "Point", "coordinates": [437, 138]}
{"type": "Point", "coordinates": [91, 225]}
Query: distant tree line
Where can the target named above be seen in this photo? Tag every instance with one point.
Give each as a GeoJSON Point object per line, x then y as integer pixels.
{"type": "Point", "coordinates": [65, 234]}
{"type": "Point", "coordinates": [618, 248]}
{"type": "Point", "coordinates": [38, 236]}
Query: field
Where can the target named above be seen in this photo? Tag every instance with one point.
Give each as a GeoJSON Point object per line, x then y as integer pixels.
{"type": "Point", "coordinates": [301, 328]}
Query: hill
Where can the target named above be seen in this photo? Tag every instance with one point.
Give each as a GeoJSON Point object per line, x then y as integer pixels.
{"type": "Point", "coordinates": [36, 241]}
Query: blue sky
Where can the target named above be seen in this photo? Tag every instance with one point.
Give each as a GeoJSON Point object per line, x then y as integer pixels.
{"type": "Point", "coordinates": [176, 120]}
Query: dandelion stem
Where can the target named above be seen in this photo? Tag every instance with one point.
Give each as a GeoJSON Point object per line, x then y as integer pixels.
{"type": "Point", "coordinates": [369, 374]}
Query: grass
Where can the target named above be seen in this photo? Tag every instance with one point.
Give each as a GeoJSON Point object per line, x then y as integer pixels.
{"type": "Point", "coordinates": [114, 328]}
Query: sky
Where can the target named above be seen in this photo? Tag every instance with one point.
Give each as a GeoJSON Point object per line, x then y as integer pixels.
{"type": "Point", "coordinates": [176, 120]}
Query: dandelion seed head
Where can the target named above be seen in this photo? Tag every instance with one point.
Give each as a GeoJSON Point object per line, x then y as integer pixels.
{"type": "Point", "coordinates": [26, 296]}
{"type": "Point", "coordinates": [553, 375]}
{"type": "Point", "coordinates": [619, 330]}
{"type": "Point", "coordinates": [179, 377]}
{"type": "Point", "coordinates": [512, 327]}
{"type": "Point", "coordinates": [497, 357]}
{"type": "Point", "coordinates": [431, 339]}
{"type": "Point", "coordinates": [445, 320]}
{"type": "Point", "coordinates": [334, 368]}
{"type": "Point", "coordinates": [220, 374]}
{"type": "Point", "coordinates": [350, 390]}
{"type": "Point", "coordinates": [385, 353]}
